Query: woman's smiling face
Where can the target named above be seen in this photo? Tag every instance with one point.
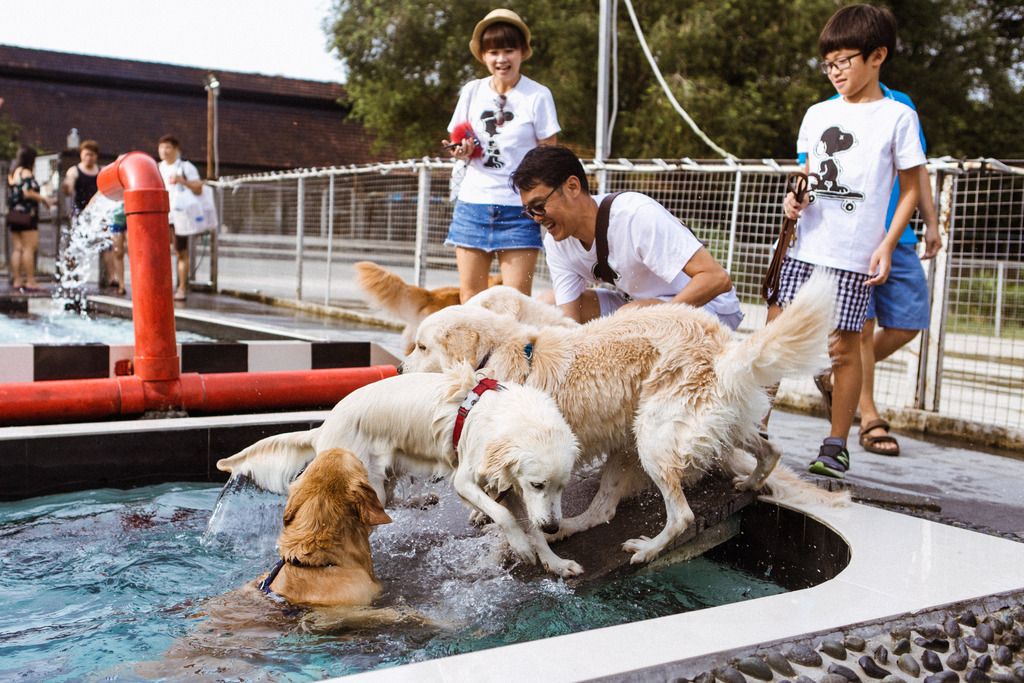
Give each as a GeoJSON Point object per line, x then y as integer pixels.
{"type": "Point", "coordinates": [503, 62]}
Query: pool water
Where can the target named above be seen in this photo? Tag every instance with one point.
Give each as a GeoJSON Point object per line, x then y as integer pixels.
{"type": "Point", "coordinates": [53, 325]}
{"type": "Point", "coordinates": [100, 585]}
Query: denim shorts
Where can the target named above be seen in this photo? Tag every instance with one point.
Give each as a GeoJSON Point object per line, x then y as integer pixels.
{"type": "Point", "coordinates": [492, 227]}
{"type": "Point", "coordinates": [901, 303]}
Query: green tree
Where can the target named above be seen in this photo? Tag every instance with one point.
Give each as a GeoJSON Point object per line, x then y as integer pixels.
{"type": "Point", "coordinates": [744, 69]}
{"type": "Point", "coordinates": [9, 132]}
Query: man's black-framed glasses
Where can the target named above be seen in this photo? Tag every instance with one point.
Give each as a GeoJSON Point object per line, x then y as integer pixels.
{"type": "Point", "coordinates": [539, 209]}
{"type": "Point", "coordinates": [843, 63]}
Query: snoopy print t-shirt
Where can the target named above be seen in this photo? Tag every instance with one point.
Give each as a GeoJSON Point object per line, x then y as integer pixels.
{"type": "Point", "coordinates": [853, 152]}
{"type": "Point", "coordinates": [507, 127]}
{"type": "Point", "coordinates": [647, 246]}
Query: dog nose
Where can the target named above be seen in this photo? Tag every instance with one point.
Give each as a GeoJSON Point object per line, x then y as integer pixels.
{"type": "Point", "coordinates": [401, 368]}
{"type": "Point", "coordinates": [550, 528]}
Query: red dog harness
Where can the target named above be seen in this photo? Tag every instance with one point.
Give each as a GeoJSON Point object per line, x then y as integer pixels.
{"type": "Point", "coordinates": [471, 398]}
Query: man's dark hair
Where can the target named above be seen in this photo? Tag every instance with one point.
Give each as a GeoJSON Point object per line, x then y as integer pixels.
{"type": "Point", "coordinates": [170, 139]}
{"type": "Point", "coordinates": [501, 35]}
{"type": "Point", "coordinates": [550, 165]}
{"type": "Point", "coordinates": [859, 27]}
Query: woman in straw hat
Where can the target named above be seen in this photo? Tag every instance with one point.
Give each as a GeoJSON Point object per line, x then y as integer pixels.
{"type": "Point", "coordinates": [509, 114]}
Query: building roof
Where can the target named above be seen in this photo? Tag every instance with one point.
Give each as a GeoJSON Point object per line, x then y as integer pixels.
{"type": "Point", "coordinates": [265, 122]}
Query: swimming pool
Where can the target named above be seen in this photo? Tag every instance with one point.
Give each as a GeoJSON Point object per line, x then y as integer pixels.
{"type": "Point", "coordinates": [98, 581]}
{"type": "Point", "coordinates": [50, 324]}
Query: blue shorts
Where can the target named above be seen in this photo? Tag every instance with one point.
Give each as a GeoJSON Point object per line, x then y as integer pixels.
{"type": "Point", "coordinates": [492, 227]}
{"type": "Point", "coordinates": [902, 302]}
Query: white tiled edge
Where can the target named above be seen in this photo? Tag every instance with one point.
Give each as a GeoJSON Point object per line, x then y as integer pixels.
{"type": "Point", "coordinates": [277, 356]}
{"type": "Point", "coordinates": [899, 565]}
{"type": "Point", "coordinates": [18, 364]}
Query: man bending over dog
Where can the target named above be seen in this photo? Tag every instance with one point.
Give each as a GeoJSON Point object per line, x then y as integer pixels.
{"type": "Point", "coordinates": [643, 251]}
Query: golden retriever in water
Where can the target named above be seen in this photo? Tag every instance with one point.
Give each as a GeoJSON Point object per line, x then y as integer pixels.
{"type": "Point", "coordinates": [664, 390]}
{"type": "Point", "coordinates": [408, 303]}
{"type": "Point", "coordinates": [325, 579]}
{"type": "Point", "coordinates": [513, 440]}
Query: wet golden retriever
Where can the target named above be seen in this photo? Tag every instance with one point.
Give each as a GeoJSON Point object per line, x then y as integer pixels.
{"type": "Point", "coordinates": [514, 440]}
{"type": "Point", "coordinates": [408, 303]}
{"type": "Point", "coordinates": [324, 580]}
{"type": "Point", "coordinates": [664, 390]}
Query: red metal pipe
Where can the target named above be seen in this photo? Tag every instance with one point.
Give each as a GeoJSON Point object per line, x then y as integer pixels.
{"type": "Point", "coordinates": [158, 383]}
{"type": "Point", "coordinates": [136, 178]}
{"type": "Point", "coordinates": [85, 399]}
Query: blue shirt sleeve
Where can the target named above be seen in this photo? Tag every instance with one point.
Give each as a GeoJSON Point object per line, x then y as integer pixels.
{"type": "Point", "coordinates": [908, 236]}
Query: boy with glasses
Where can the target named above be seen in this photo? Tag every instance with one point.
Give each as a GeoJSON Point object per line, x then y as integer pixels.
{"type": "Point", "coordinates": [856, 146]}
{"type": "Point", "coordinates": [651, 257]}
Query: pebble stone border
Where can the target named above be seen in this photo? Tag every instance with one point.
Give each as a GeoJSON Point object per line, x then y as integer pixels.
{"type": "Point", "coordinates": [976, 645]}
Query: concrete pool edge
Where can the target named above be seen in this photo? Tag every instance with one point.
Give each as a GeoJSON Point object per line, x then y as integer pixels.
{"type": "Point", "coordinates": [914, 566]}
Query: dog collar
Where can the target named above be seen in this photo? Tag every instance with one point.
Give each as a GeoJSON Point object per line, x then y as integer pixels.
{"type": "Point", "coordinates": [472, 397]}
{"type": "Point", "coordinates": [265, 583]}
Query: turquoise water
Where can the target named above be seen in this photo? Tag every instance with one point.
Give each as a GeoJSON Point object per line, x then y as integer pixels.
{"type": "Point", "coordinates": [56, 326]}
{"type": "Point", "coordinates": [101, 585]}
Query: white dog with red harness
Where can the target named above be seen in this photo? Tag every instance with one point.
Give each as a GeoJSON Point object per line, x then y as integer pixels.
{"type": "Point", "coordinates": [494, 438]}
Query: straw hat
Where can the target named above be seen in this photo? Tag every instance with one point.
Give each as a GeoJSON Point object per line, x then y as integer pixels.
{"type": "Point", "coordinates": [497, 16]}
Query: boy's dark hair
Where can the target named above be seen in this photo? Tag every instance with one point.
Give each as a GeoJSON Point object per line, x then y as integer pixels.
{"type": "Point", "coordinates": [169, 139]}
{"type": "Point", "coordinates": [501, 35]}
{"type": "Point", "coordinates": [859, 27]}
{"type": "Point", "coordinates": [550, 165]}
{"type": "Point", "coordinates": [90, 145]}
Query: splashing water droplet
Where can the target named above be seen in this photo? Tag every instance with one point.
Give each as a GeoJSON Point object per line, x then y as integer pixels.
{"type": "Point", "coordinates": [88, 234]}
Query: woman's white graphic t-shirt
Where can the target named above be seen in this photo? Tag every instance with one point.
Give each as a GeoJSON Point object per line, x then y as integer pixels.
{"type": "Point", "coordinates": [647, 246]}
{"type": "Point", "coordinates": [507, 130]}
{"type": "Point", "coordinates": [853, 153]}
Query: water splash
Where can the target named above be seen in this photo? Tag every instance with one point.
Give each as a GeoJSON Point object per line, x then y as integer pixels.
{"type": "Point", "coordinates": [87, 235]}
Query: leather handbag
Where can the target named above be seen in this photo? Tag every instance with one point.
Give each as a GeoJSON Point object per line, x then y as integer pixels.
{"type": "Point", "coordinates": [20, 219]}
{"type": "Point", "coordinates": [797, 184]}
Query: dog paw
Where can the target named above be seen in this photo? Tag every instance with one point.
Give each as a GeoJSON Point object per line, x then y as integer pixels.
{"type": "Point", "coordinates": [564, 568]}
{"type": "Point", "coordinates": [744, 483]}
{"type": "Point", "coordinates": [642, 548]}
{"type": "Point", "coordinates": [522, 549]}
{"type": "Point", "coordinates": [478, 519]}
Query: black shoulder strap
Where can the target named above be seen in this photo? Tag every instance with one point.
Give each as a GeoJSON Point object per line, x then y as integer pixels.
{"type": "Point", "coordinates": [602, 271]}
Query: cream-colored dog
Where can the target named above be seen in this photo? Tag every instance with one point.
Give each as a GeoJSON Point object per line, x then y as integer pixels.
{"type": "Point", "coordinates": [664, 390]}
{"type": "Point", "coordinates": [512, 439]}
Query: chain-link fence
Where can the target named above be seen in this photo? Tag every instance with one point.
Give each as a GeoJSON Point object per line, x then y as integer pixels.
{"type": "Point", "coordinates": [297, 234]}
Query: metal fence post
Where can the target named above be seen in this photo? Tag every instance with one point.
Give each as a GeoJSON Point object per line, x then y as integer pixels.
{"type": "Point", "coordinates": [214, 249]}
{"type": "Point", "coordinates": [940, 302]}
{"type": "Point", "coordinates": [419, 273]}
{"type": "Point", "coordinates": [330, 237]}
{"type": "Point", "coordinates": [300, 224]}
{"type": "Point", "coordinates": [733, 219]}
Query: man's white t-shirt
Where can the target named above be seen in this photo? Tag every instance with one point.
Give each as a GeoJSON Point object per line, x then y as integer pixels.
{"type": "Point", "coordinates": [647, 246]}
{"type": "Point", "coordinates": [853, 153]}
{"type": "Point", "coordinates": [529, 116]}
{"type": "Point", "coordinates": [179, 167]}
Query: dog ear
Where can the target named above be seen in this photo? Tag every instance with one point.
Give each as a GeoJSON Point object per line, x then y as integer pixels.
{"type": "Point", "coordinates": [462, 343]}
{"type": "Point", "coordinates": [496, 466]}
{"type": "Point", "coordinates": [371, 512]}
{"type": "Point", "coordinates": [297, 497]}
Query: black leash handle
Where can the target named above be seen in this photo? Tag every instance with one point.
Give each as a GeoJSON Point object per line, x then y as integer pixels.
{"type": "Point", "coordinates": [797, 183]}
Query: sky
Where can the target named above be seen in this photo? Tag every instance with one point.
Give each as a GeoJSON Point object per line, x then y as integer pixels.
{"type": "Point", "coordinates": [277, 38]}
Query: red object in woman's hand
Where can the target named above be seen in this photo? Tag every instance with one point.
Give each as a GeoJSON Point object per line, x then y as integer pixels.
{"type": "Point", "coordinates": [463, 131]}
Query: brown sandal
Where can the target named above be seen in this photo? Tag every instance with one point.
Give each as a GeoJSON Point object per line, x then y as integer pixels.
{"type": "Point", "coordinates": [824, 384]}
{"type": "Point", "coordinates": [870, 442]}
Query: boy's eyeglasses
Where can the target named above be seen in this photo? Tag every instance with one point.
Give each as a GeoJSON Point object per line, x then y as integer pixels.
{"type": "Point", "coordinates": [499, 116]}
{"type": "Point", "coordinates": [539, 209]}
{"type": "Point", "coordinates": [842, 64]}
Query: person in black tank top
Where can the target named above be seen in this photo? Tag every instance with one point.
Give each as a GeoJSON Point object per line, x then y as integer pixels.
{"type": "Point", "coordinates": [80, 185]}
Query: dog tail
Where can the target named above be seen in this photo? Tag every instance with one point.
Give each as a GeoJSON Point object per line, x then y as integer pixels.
{"type": "Point", "coordinates": [785, 486]}
{"type": "Point", "coordinates": [387, 290]}
{"type": "Point", "coordinates": [794, 344]}
{"type": "Point", "coordinates": [272, 463]}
